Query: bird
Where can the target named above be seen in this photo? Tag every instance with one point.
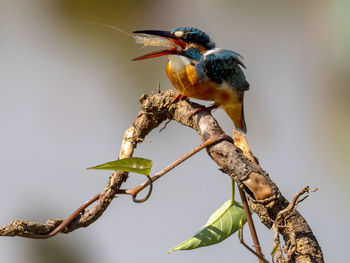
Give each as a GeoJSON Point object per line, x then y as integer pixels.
{"type": "Point", "coordinates": [200, 70]}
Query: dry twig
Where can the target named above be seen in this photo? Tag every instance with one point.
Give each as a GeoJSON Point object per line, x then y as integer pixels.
{"type": "Point", "coordinates": [264, 196]}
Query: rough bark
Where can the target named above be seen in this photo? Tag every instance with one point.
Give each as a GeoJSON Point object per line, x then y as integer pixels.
{"type": "Point", "coordinates": [264, 196]}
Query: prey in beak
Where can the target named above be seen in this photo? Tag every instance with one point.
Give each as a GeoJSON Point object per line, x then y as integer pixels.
{"type": "Point", "coordinates": [160, 38]}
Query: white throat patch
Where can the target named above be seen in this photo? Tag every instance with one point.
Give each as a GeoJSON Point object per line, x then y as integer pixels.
{"type": "Point", "coordinates": [178, 62]}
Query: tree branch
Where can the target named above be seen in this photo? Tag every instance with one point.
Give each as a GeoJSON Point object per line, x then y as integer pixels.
{"type": "Point", "coordinates": [263, 194]}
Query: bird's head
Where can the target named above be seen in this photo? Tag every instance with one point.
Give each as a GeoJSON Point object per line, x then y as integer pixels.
{"type": "Point", "coordinates": [185, 41]}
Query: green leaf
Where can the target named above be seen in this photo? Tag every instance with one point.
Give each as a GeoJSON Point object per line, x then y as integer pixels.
{"type": "Point", "coordinates": [133, 164]}
{"type": "Point", "coordinates": [221, 224]}
{"type": "Point", "coordinates": [274, 250]}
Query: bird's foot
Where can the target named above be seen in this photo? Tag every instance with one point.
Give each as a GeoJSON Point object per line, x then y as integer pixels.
{"type": "Point", "coordinates": [208, 109]}
{"type": "Point", "coordinates": [178, 97]}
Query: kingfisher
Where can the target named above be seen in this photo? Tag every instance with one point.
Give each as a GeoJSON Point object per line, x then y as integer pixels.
{"type": "Point", "coordinates": [200, 70]}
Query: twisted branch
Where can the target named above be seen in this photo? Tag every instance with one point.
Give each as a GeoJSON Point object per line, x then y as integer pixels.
{"type": "Point", "coordinates": [264, 196]}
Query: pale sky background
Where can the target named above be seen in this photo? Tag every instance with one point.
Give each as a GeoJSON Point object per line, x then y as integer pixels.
{"type": "Point", "coordinates": [69, 90]}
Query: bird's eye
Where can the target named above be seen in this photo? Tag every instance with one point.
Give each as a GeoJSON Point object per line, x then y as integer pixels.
{"type": "Point", "coordinates": [179, 33]}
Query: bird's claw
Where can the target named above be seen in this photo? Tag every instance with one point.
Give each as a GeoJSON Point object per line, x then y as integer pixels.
{"type": "Point", "coordinates": [208, 109]}
{"type": "Point", "coordinates": [178, 97]}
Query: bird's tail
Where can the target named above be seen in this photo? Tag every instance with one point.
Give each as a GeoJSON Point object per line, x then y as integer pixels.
{"type": "Point", "coordinates": [236, 113]}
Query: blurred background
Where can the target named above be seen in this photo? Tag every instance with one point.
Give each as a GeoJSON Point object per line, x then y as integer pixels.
{"type": "Point", "coordinates": [68, 91]}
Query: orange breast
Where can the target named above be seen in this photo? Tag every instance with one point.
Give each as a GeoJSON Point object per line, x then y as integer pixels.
{"type": "Point", "coordinates": [188, 83]}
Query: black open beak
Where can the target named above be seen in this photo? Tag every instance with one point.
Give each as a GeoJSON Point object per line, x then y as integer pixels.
{"type": "Point", "coordinates": [165, 34]}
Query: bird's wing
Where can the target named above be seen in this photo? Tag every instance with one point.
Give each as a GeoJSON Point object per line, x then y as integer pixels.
{"type": "Point", "coordinates": [225, 65]}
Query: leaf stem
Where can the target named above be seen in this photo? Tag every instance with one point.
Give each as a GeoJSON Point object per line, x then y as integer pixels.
{"type": "Point", "coordinates": [241, 240]}
{"type": "Point", "coordinates": [251, 224]}
{"type": "Point", "coordinates": [64, 223]}
{"type": "Point", "coordinates": [233, 191]}
{"type": "Point", "coordinates": [133, 192]}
